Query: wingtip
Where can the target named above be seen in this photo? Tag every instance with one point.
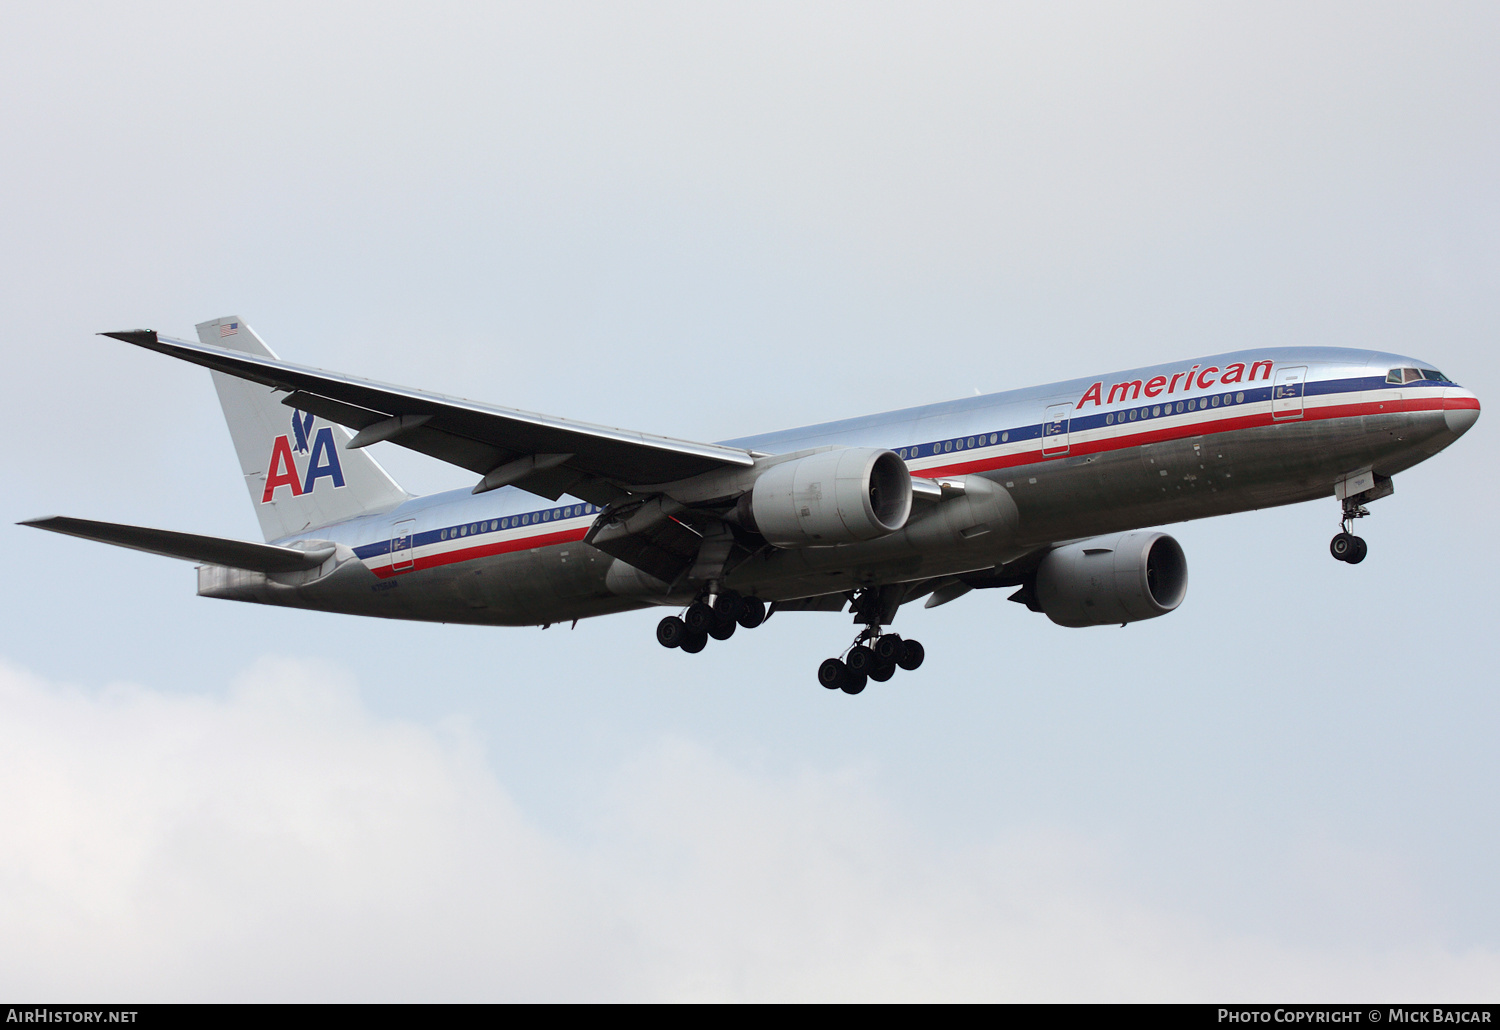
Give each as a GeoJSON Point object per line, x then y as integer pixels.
{"type": "Point", "coordinates": [139, 337]}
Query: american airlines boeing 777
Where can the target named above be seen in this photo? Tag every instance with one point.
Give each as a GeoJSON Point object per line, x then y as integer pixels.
{"type": "Point", "coordinates": [1047, 490]}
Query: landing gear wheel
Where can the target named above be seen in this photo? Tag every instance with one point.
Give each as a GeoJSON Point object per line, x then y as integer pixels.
{"type": "Point", "coordinates": [853, 683]}
{"type": "Point", "coordinates": [1342, 546]}
{"type": "Point", "coordinates": [752, 612]}
{"type": "Point", "coordinates": [888, 648]}
{"type": "Point", "coordinates": [912, 654]}
{"type": "Point", "coordinates": [832, 674]}
{"type": "Point", "coordinates": [881, 673]}
{"type": "Point", "coordinates": [1360, 550]}
{"type": "Point", "coordinates": [861, 660]}
{"type": "Point", "coordinates": [727, 606]}
{"type": "Point", "coordinates": [722, 630]}
{"type": "Point", "coordinates": [695, 642]}
{"type": "Point", "coordinates": [671, 631]}
{"type": "Point", "coordinates": [699, 617]}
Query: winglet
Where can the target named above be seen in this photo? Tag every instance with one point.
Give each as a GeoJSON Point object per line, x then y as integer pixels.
{"type": "Point", "coordinates": [139, 337]}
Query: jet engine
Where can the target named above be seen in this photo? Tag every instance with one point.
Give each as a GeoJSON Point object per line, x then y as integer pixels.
{"type": "Point", "coordinates": [833, 497]}
{"type": "Point", "coordinates": [1111, 580]}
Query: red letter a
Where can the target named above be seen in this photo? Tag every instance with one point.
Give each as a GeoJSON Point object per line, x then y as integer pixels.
{"type": "Point", "coordinates": [283, 471]}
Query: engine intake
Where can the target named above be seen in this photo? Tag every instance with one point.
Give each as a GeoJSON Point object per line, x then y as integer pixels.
{"type": "Point", "coordinates": [835, 497]}
{"type": "Point", "coordinates": [1109, 581]}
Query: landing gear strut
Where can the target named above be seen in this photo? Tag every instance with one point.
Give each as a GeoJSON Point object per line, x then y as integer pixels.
{"type": "Point", "coordinates": [1347, 547]}
{"type": "Point", "coordinates": [719, 619]}
{"type": "Point", "coordinates": [874, 655]}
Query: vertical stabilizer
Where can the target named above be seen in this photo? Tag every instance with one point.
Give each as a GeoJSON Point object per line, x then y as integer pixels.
{"type": "Point", "coordinates": [296, 466]}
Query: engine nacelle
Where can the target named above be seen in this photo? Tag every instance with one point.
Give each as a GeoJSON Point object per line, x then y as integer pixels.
{"type": "Point", "coordinates": [1108, 581]}
{"type": "Point", "coordinates": [834, 497]}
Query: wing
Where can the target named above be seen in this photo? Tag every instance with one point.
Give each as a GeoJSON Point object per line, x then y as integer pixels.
{"type": "Point", "coordinates": [209, 550]}
{"type": "Point", "coordinates": [545, 455]}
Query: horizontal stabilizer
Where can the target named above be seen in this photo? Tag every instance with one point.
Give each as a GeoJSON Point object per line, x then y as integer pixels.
{"type": "Point", "coordinates": [210, 550]}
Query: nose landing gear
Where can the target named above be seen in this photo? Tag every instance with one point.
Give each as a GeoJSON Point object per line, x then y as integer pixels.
{"type": "Point", "coordinates": [1347, 547]}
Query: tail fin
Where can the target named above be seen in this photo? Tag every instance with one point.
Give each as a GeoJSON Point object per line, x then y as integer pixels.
{"type": "Point", "coordinates": [297, 469]}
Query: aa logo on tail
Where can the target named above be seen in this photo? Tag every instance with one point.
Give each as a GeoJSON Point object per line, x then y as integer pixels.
{"type": "Point", "coordinates": [323, 461]}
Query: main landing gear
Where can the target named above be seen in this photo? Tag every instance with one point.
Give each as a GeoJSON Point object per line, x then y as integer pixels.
{"type": "Point", "coordinates": [702, 620]}
{"type": "Point", "coordinates": [874, 655]}
{"type": "Point", "coordinates": [1346, 546]}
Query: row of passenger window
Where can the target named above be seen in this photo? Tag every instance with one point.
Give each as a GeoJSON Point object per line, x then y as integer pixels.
{"type": "Point", "coordinates": [956, 444]}
{"type": "Point", "coordinates": [530, 518]}
{"type": "Point", "coordinates": [1192, 404]}
{"type": "Point", "coordinates": [1153, 411]}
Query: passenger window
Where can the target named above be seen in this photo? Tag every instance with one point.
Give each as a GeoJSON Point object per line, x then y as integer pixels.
{"type": "Point", "coordinates": [1215, 400]}
{"type": "Point", "coordinates": [1004, 437]}
{"type": "Point", "coordinates": [1156, 411]}
{"type": "Point", "coordinates": [1109, 419]}
{"type": "Point", "coordinates": [1239, 398]}
{"type": "Point", "coordinates": [993, 438]}
{"type": "Point", "coordinates": [1132, 414]}
{"type": "Point", "coordinates": [969, 442]}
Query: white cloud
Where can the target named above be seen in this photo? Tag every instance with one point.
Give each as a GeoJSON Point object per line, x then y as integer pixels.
{"type": "Point", "coordinates": [280, 842]}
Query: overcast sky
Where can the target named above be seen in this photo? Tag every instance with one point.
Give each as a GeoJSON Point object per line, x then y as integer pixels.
{"type": "Point", "coordinates": [710, 220]}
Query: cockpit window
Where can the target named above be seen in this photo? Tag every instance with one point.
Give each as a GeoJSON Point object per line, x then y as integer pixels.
{"type": "Point", "coordinates": [1397, 376]}
{"type": "Point", "coordinates": [1434, 375]}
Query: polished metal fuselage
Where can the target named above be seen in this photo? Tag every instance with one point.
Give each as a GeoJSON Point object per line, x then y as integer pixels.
{"type": "Point", "coordinates": [1071, 464]}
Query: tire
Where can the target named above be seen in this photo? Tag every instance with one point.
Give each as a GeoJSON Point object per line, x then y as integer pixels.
{"type": "Point", "coordinates": [723, 630]}
{"type": "Point", "coordinates": [832, 673]}
{"type": "Point", "coordinates": [699, 617]}
{"type": "Point", "coordinates": [671, 631]}
{"type": "Point", "coordinates": [912, 654]}
{"type": "Point", "coordinates": [695, 642]}
{"type": "Point", "coordinates": [854, 683]}
{"type": "Point", "coordinates": [881, 673]}
{"type": "Point", "coordinates": [1361, 549]}
{"type": "Point", "coordinates": [888, 648]}
{"type": "Point", "coordinates": [727, 606]}
{"type": "Point", "coordinates": [1342, 546]}
{"type": "Point", "coordinates": [860, 660]}
{"type": "Point", "coordinates": [752, 612]}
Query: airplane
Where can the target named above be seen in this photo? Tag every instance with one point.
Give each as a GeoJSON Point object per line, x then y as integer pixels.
{"type": "Point", "coordinates": [1049, 490]}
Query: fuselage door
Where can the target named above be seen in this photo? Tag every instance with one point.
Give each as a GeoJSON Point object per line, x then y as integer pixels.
{"type": "Point", "coordinates": [1055, 429]}
{"type": "Point", "coordinates": [1286, 392]}
{"type": "Point", "coordinates": [401, 534]}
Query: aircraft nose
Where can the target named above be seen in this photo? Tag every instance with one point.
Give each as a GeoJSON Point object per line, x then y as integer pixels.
{"type": "Point", "coordinates": [1460, 410]}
